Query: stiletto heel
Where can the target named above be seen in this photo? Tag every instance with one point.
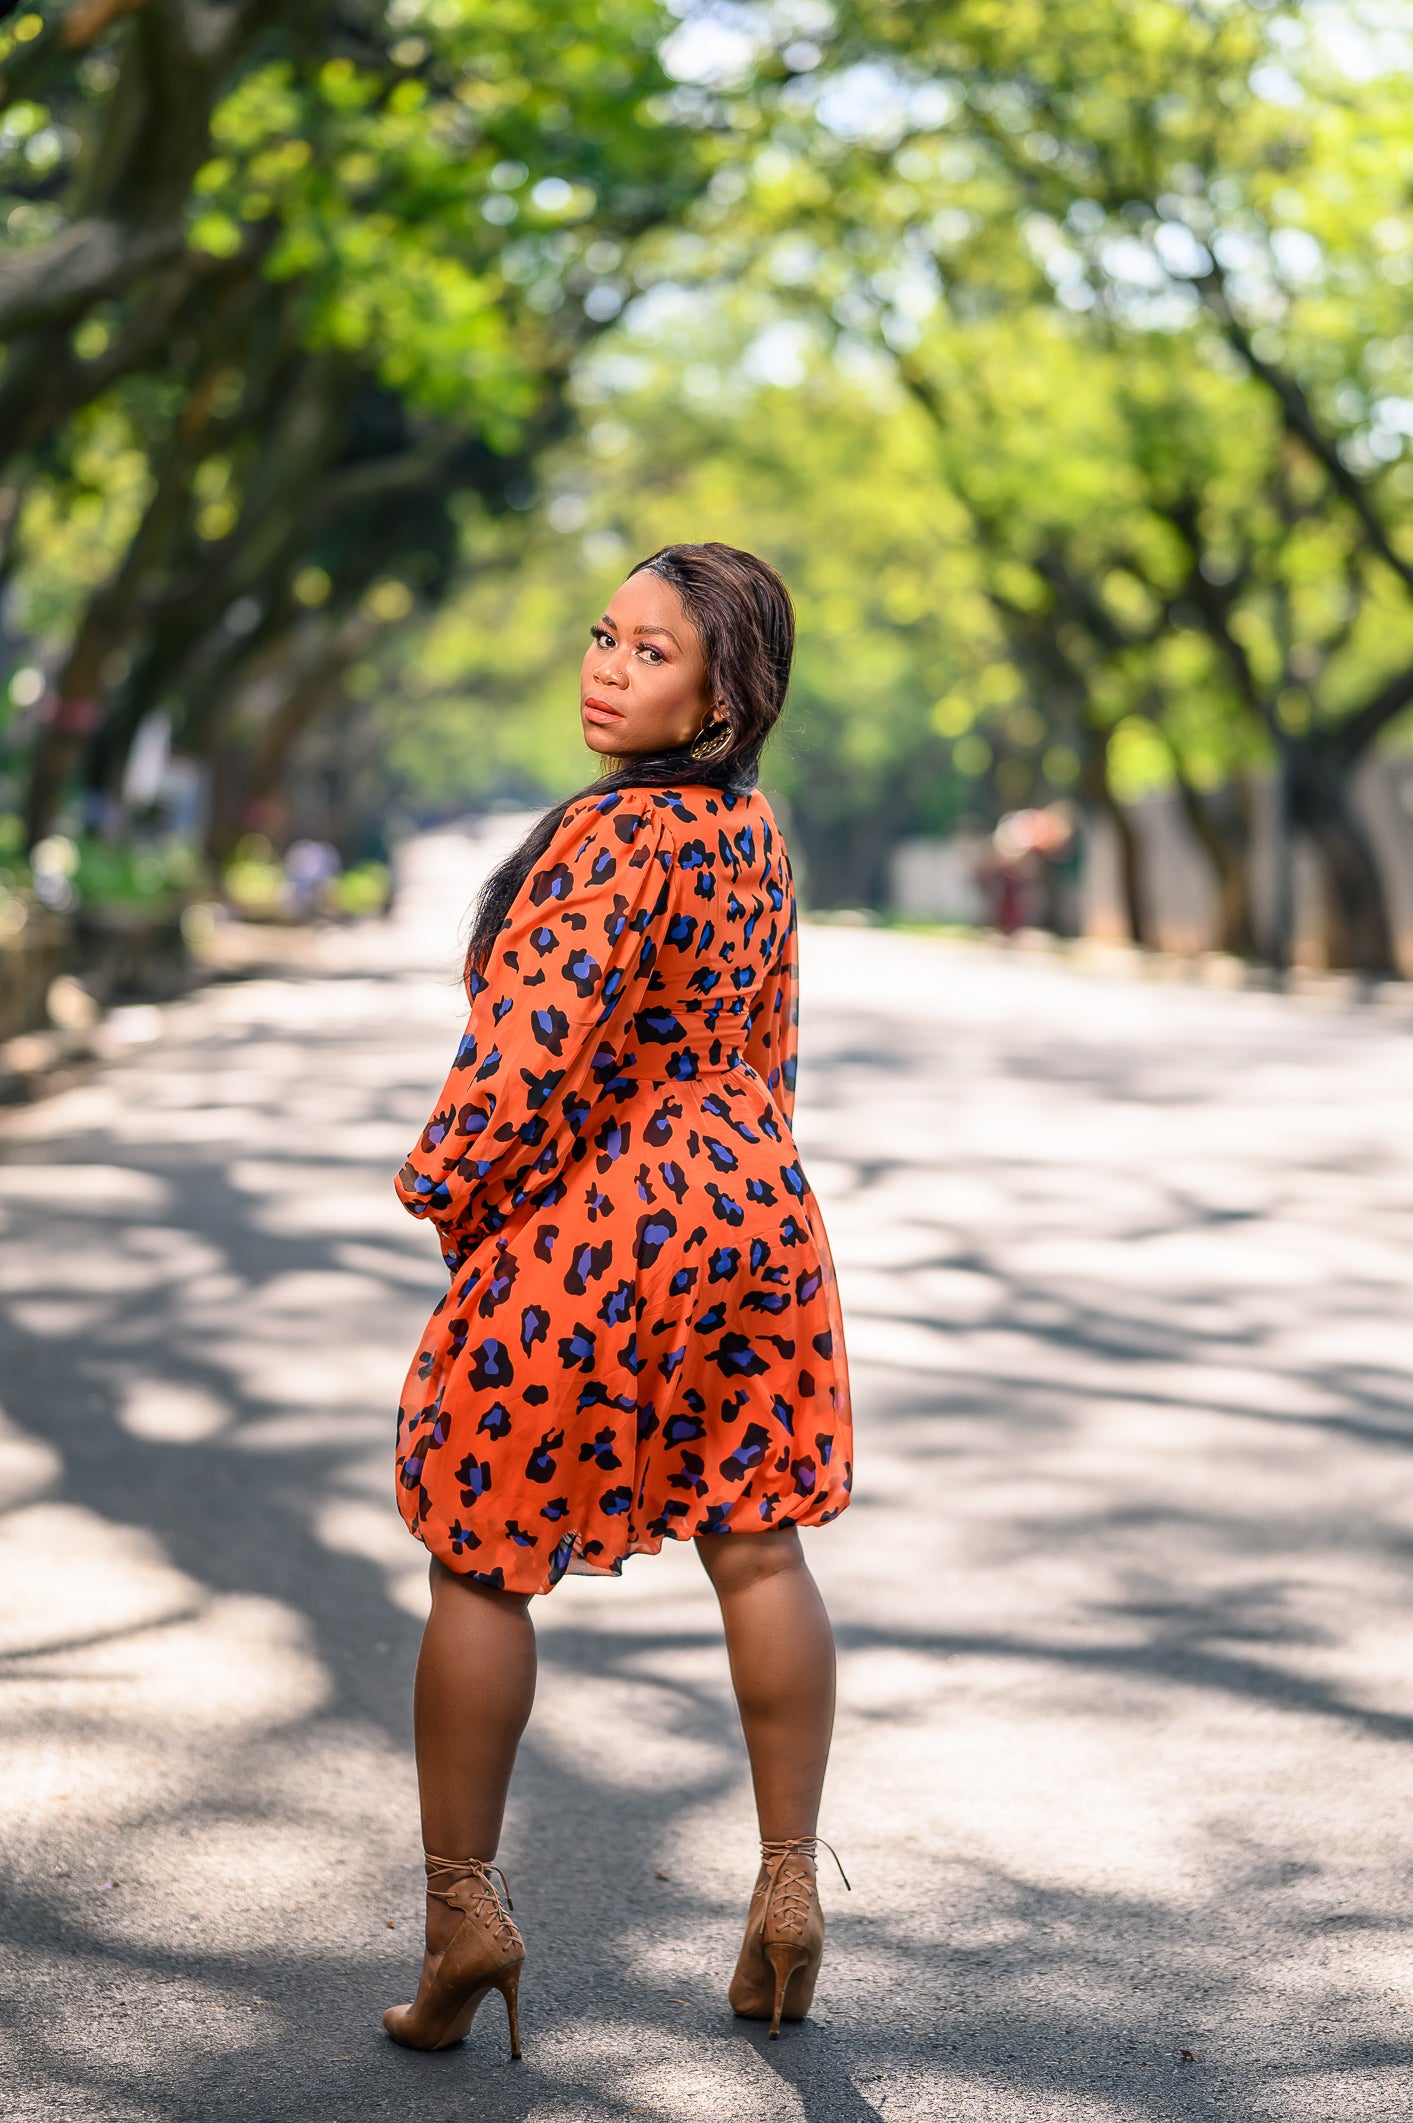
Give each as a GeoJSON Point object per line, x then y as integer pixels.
{"type": "Point", "coordinates": [509, 1988]}
{"type": "Point", "coordinates": [784, 1943]}
{"type": "Point", "coordinates": [485, 1952]}
{"type": "Point", "coordinates": [784, 1960]}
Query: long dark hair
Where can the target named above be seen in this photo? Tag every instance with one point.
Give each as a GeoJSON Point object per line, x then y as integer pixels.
{"type": "Point", "coordinates": [746, 624]}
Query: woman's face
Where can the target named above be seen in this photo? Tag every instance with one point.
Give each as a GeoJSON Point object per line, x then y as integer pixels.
{"type": "Point", "coordinates": [643, 686]}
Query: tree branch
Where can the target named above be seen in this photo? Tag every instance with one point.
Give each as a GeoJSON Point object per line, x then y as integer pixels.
{"type": "Point", "coordinates": [1359, 730]}
{"type": "Point", "coordinates": [1301, 422]}
{"type": "Point", "coordinates": [128, 217]}
{"type": "Point", "coordinates": [1213, 603]}
{"type": "Point", "coordinates": [382, 478]}
{"type": "Point", "coordinates": [51, 286]}
{"type": "Point", "coordinates": [45, 381]}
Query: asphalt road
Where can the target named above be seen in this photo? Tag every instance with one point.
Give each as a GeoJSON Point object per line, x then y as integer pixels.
{"type": "Point", "coordinates": [1123, 1768]}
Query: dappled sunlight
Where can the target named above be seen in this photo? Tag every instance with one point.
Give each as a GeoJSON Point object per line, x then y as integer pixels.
{"type": "Point", "coordinates": [71, 1578]}
{"type": "Point", "coordinates": [126, 1684]}
{"type": "Point", "coordinates": [664, 1748]}
{"type": "Point", "coordinates": [167, 1413]}
{"type": "Point", "coordinates": [677, 2074]}
{"type": "Point", "coordinates": [27, 1465]}
{"type": "Point", "coordinates": [348, 1525]}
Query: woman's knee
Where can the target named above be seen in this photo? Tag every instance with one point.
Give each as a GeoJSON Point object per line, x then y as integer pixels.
{"type": "Point", "coordinates": [734, 1561]}
{"type": "Point", "coordinates": [450, 1585]}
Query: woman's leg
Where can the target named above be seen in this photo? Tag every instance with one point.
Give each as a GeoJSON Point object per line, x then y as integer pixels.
{"type": "Point", "coordinates": [475, 1685]}
{"type": "Point", "coordinates": [782, 1668]}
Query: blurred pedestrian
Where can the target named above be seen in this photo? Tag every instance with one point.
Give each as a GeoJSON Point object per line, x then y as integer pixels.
{"type": "Point", "coordinates": [310, 869]}
{"type": "Point", "coordinates": [1031, 872]}
{"type": "Point", "coordinates": [641, 1340]}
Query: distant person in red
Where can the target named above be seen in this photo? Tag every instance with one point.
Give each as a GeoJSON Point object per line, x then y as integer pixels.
{"type": "Point", "coordinates": [1028, 871]}
{"type": "Point", "coordinates": [641, 1339]}
{"type": "Point", "coordinates": [1011, 897]}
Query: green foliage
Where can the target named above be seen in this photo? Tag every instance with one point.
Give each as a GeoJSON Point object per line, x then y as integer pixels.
{"type": "Point", "coordinates": [1143, 265]}
{"type": "Point", "coordinates": [143, 876]}
{"type": "Point", "coordinates": [1057, 354]}
{"type": "Point", "coordinates": [255, 885]}
{"type": "Point", "coordinates": [15, 875]}
{"type": "Point", "coordinates": [384, 259]}
{"type": "Point", "coordinates": [362, 890]}
{"type": "Point", "coordinates": [1110, 246]}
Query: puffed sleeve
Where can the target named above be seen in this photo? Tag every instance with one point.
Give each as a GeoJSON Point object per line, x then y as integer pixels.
{"type": "Point", "coordinates": [572, 960]}
{"type": "Point", "coordinates": [773, 1034]}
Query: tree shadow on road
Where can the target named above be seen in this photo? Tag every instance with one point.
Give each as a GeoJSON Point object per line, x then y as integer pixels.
{"type": "Point", "coordinates": [954, 1987]}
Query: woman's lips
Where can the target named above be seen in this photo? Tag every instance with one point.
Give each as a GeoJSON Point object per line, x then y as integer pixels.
{"type": "Point", "coordinates": [599, 711]}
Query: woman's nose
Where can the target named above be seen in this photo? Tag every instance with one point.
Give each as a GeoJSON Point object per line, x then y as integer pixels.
{"type": "Point", "coordinates": [610, 673]}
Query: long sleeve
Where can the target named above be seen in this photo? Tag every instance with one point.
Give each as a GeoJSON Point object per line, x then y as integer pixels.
{"type": "Point", "coordinates": [574, 958]}
{"type": "Point", "coordinates": [774, 1031]}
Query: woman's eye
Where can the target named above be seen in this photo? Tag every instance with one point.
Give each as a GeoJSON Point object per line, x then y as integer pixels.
{"type": "Point", "coordinates": [602, 636]}
{"type": "Point", "coordinates": [648, 650]}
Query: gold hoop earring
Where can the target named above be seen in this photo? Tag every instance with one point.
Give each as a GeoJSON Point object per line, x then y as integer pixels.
{"type": "Point", "coordinates": [711, 741]}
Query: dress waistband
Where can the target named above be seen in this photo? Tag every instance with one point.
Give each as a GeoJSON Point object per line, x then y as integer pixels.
{"type": "Point", "coordinates": [659, 1047]}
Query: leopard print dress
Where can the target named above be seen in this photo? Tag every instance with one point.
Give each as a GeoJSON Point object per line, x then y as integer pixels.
{"type": "Point", "coordinates": [641, 1339]}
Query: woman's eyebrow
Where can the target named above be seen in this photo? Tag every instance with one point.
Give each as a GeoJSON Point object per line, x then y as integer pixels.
{"type": "Point", "coordinates": [613, 627]}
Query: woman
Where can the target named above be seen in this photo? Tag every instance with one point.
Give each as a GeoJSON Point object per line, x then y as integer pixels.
{"type": "Point", "coordinates": [641, 1340]}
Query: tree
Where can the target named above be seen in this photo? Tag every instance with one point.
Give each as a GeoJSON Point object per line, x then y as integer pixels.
{"type": "Point", "coordinates": [374, 256]}
{"type": "Point", "coordinates": [1209, 204]}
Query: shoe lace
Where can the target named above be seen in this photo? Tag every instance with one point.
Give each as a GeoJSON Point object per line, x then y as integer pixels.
{"type": "Point", "coordinates": [485, 1904]}
{"type": "Point", "coordinates": [790, 1889]}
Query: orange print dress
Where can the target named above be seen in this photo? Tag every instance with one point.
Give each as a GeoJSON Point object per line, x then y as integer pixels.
{"type": "Point", "coordinates": [641, 1339]}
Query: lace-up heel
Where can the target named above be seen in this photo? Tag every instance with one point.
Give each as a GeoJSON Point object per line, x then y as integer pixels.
{"type": "Point", "coordinates": [485, 1952]}
{"type": "Point", "coordinates": [784, 1943]}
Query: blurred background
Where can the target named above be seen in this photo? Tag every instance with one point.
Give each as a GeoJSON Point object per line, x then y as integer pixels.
{"type": "Point", "coordinates": [1059, 356]}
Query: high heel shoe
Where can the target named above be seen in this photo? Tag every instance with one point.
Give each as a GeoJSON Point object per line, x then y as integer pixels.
{"type": "Point", "coordinates": [784, 1943]}
{"type": "Point", "coordinates": [485, 1952]}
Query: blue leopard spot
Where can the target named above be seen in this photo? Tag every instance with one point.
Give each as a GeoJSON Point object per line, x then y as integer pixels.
{"type": "Point", "coordinates": [576, 1350]}
{"type": "Point", "coordinates": [737, 1357]}
{"type": "Point", "coordinates": [474, 1478]}
{"type": "Point", "coordinates": [749, 1453]}
{"type": "Point", "coordinates": [491, 1365]}
{"type": "Point", "coordinates": [540, 1466]}
{"type": "Point", "coordinates": [654, 1231]}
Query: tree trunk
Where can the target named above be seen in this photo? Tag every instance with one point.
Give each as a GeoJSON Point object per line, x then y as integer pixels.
{"type": "Point", "coordinates": [1281, 948]}
{"type": "Point", "coordinates": [67, 726]}
{"type": "Point", "coordinates": [1359, 934]}
{"type": "Point", "coordinates": [1226, 844]}
{"type": "Point", "coordinates": [1099, 796]}
{"type": "Point", "coordinates": [245, 765]}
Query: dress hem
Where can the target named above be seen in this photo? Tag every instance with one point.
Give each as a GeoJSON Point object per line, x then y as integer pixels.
{"type": "Point", "coordinates": [580, 1565]}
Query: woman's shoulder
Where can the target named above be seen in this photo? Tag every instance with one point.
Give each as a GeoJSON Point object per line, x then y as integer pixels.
{"type": "Point", "coordinates": [689, 826]}
{"type": "Point", "coordinates": [728, 809]}
{"type": "Point", "coordinates": [677, 811]}
{"type": "Point", "coordinates": [601, 839]}
{"type": "Point", "coordinates": [738, 826]}
{"type": "Point", "coordinates": [618, 815]}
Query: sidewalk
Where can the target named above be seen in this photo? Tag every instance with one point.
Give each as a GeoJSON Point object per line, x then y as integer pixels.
{"type": "Point", "coordinates": [1122, 1780]}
